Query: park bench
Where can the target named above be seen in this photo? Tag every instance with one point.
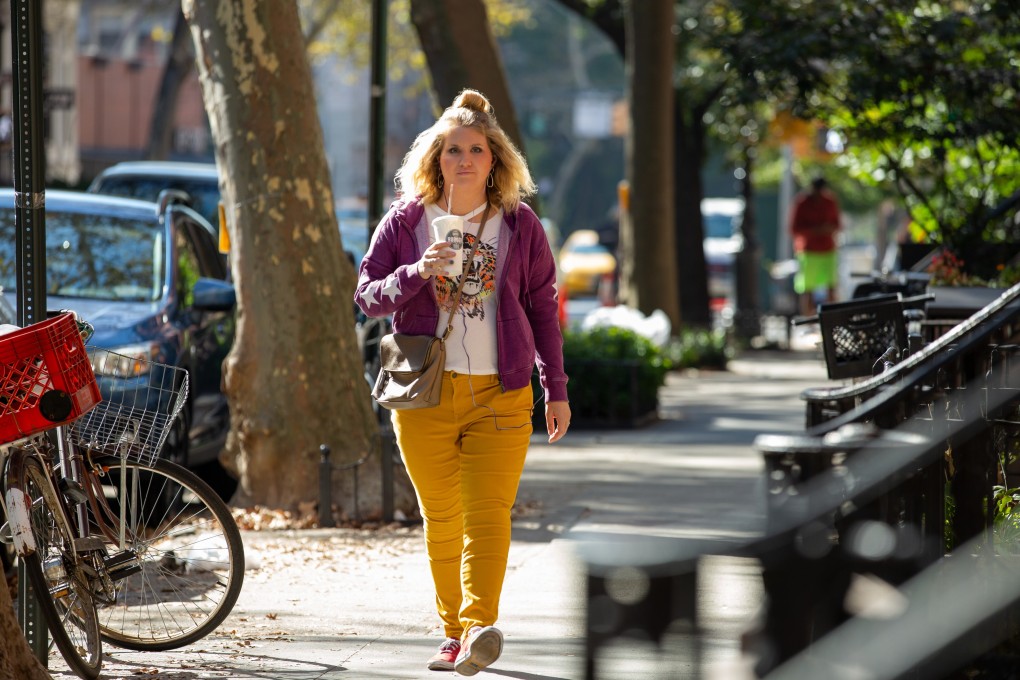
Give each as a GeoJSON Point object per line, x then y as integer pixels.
{"type": "Point", "coordinates": [862, 489]}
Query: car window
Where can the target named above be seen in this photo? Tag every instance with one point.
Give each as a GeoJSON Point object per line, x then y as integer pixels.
{"type": "Point", "coordinates": [204, 247]}
{"type": "Point", "coordinates": [189, 268]}
{"type": "Point", "coordinates": [354, 234]}
{"type": "Point", "coordinates": [719, 226]}
{"type": "Point", "coordinates": [589, 248]}
{"type": "Point", "coordinates": [98, 257]}
{"type": "Point", "coordinates": [204, 194]}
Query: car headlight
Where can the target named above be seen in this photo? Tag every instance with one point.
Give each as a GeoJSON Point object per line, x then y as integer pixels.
{"type": "Point", "coordinates": [129, 361]}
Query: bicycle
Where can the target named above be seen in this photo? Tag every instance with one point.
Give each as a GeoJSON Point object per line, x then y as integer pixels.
{"type": "Point", "coordinates": [118, 545]}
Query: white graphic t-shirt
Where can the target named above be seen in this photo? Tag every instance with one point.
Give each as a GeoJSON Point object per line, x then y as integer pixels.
{"type": "Point", "coordinates": [471, 347]}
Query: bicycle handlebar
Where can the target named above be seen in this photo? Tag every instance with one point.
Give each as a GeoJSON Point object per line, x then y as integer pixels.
{"type": "Point", "coordinates": [85, 329]}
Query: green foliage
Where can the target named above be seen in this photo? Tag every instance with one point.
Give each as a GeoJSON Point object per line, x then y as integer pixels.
{"type": "Point", "coordinates": [697, 348]}
{"type": "Point", "coordinates": [618, 345]}
{"type": "Point", "coordinates": [340, 28]}
{"type": "Point", "coordinates": [948, 537]}
{"type": "Point", "coordinates": [925, 94]}
{"type": "Point", "coordinates": [1007, 519]}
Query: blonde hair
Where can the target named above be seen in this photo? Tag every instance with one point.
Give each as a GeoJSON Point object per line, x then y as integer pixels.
{"type": "Point", "coordinates": [419, 173]}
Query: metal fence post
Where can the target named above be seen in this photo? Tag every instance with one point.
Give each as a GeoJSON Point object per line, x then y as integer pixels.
{"type": "Point", "coordinates": [386, 459]}
{"type": "Point", "coordinates": [29, 174]}
{"type": "Point", "coordinates": [325, 488]}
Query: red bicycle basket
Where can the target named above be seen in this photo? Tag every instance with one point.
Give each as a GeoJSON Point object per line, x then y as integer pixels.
{"type": "Point", "coordinates": [35, 360]}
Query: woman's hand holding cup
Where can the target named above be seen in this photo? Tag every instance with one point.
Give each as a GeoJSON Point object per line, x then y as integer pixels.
{"type": "Point", "coordinates": [436, 259]}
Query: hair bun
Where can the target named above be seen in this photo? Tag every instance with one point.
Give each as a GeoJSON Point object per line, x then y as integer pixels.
{"type": "Point", "coordinates": [474, 100]}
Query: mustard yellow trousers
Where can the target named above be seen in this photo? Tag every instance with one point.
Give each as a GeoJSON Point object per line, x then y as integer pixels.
{"type": "Point", "coordinates": [465, 458]}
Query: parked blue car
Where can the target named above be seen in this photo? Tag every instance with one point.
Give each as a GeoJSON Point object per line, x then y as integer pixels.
{"type": "Point", "coordinates": [200, 181]}
{"type": "Point", "coordinates": [147, 179]}
{"type": "Point", "coordinates": [150, 278]}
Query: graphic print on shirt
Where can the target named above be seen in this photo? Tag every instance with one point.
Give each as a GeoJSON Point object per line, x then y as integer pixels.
{"type": "Point", "coordinates": [479, 285]}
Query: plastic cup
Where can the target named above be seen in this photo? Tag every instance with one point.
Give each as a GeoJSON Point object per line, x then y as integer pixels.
{"type": "Point", "coordinates": [450, 228]}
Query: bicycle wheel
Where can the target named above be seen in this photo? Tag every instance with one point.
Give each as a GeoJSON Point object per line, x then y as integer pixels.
{"type": "Point", "coordinates": [182, 545]}
{"type": "Point", "coordinates": [61, 587]}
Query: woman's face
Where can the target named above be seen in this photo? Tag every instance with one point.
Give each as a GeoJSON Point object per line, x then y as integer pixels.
{"type": "Point", "coordinates": [465, 161]}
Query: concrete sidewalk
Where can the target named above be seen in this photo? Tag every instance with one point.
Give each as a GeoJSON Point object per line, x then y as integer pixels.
{"type": "Point", "coordinates": [339, 603]}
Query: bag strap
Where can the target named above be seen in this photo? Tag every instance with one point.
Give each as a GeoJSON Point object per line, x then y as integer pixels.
{"type": "Point", "coordinates": [471, 259]}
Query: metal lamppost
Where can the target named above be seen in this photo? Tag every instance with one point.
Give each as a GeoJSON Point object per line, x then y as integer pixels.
{"type": "Point", "coordinates": [376, 156]}
{"type": "Point", "coordinates": [377, 114]}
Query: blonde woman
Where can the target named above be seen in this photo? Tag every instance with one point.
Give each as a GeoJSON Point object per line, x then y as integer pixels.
{"type": "Point", "coordinates": [465, 456]}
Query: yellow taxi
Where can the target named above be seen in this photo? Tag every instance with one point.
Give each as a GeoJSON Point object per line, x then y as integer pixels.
{"type": "Point", "coordinates": [585, 263]}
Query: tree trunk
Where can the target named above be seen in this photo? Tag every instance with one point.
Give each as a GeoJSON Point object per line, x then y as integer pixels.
{"type": "Point", "coordinates": [462, 53]}
{"type": "Point", "coordinates": [294, 377]}
{"type": "Point", "coordinates": [17, 662]}
{"type": "Point", "coordinates": [747, 318]}
{"type": "Point", "coordinates": [647, 235]}
{"type": "Point", "coordinates": [692, 272]}
{"type": "Point", "coordinates": [178, 66]}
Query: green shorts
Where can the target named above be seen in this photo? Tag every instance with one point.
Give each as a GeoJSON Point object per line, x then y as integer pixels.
{"type": "Point", "coordinates": [817, 270]}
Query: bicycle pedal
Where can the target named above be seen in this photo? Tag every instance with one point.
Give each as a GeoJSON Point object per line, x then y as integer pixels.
{"type": "Point", "coordinates": [124, 570]}
{"type": "Point", "coordinates": [117, 559]}
{"type": "Point", "coordinates": [122, 564]}
{"type": "Point", "coordinates": [72, 491]}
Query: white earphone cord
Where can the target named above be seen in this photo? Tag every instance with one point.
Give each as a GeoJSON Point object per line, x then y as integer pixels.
{"type": "Point", "coordinates": [474, 400]}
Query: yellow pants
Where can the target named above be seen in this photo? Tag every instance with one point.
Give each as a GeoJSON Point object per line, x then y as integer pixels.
{"type": "Point", "coordinates": [465, 458]}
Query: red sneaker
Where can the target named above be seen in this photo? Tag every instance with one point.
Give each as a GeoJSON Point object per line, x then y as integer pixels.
{"type": "Point", "coordinates": [444, 659]}
{"type": "Point", "coordinates": [481, 649]}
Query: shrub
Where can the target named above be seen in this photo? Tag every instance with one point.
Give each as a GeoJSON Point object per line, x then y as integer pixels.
{"type": "Point", "coordinates": [615, 376]}
{"type": "Point", "coordinates": [699, 349]}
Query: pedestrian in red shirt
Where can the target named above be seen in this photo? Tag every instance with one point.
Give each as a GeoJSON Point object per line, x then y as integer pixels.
{"type": "Point", "coordinates": [814, 221]}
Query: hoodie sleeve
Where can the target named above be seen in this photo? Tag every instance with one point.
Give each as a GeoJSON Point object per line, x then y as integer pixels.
{"type": "Point", "coordinates": [386, 279]}
{"type": "Point", "coordinates": [542, 309]}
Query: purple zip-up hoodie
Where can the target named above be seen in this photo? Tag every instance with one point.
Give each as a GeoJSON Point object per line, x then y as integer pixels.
{"type": "Point", "coordinates": [527, 323]}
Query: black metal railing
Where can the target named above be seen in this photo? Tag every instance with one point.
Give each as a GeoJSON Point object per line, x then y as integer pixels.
{"type": "Point", "coordinates": [861, 491]}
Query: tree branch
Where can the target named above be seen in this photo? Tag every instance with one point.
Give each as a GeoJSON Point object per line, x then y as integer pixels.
{"type": "Point", "coordinates": [607, 17]}
{"type": "Point", "coordinates": [319, 22]}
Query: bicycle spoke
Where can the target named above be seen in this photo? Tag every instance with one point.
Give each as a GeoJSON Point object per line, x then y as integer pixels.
{"type": "Point", "coordinates": [187, 547]}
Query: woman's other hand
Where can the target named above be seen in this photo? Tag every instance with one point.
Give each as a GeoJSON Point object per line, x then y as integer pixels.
{"type": "Point", "coordinates": [557, 419]}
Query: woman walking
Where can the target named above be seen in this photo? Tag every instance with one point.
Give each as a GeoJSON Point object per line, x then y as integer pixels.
{"type": "Point", "coordinates": [466, 455]}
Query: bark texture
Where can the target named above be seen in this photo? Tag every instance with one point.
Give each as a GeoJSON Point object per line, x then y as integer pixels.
{"type": "Point", "coordinates": [692, 271]}
{"type": "Point", "coordinates": [462, 53]}
{"type": "Point", "coordinates": [647, 236]}
{"type": "Point", "coordinates": [294, 377]}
